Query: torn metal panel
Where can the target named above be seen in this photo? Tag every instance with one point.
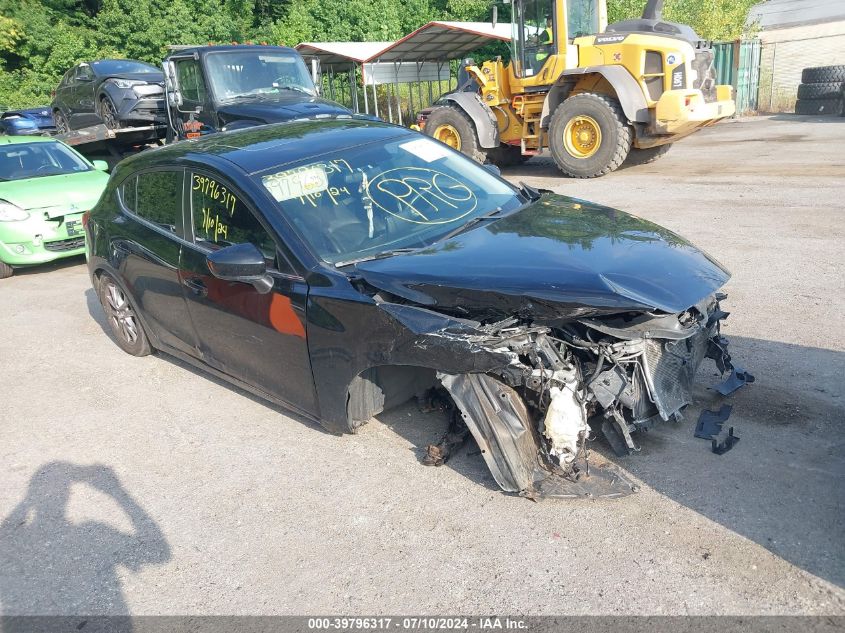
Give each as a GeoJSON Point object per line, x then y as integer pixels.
{"type": "Point", "coordinates": [499, 421]}
{"type": "Point", "coordinates": [710, 422]}
{"type": "Point", "coordinates": [506, 433]}
{"type": "Point", "coordinates": [737, 378]}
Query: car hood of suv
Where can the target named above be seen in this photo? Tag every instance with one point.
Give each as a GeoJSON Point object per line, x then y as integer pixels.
{"type": "Point", "coordinates": [280, 107]}
{"type": "Point", "coordinates": [558, 258]}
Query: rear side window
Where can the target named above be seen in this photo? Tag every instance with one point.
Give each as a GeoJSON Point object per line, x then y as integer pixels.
{"type": "Point", "coordinates": [155, 196]}
{"type": "Point", "coordinates": [221, 218]}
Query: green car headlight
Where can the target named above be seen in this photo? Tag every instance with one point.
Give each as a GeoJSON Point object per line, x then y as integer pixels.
{"type": "Point", "coordinates": [11, 212]}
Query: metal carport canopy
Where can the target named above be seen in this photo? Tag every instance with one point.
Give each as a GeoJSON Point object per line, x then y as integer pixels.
{"type": "Point", "coordinates": [341, 55]}
{"type": "Point", "coordinates": [438, 41]}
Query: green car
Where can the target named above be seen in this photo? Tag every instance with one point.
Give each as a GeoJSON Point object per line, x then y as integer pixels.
{"type": "Point", "coordinates": [45, 187]}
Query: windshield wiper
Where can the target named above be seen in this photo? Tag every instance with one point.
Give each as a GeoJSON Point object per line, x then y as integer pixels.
{"type": "Point", "coordinates": [296, 89]}
{"type": "Point", "coordinates": [379, 255]}
{"type": "Point", "coordinates": [490, 215]}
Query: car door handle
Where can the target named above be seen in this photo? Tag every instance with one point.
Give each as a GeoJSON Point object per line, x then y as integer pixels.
{"type": "Point", "coordinates": [197, 286]}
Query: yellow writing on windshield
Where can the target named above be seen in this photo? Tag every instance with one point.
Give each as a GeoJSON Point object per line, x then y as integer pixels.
{"type": "Point", "coordinates": [421, 195]}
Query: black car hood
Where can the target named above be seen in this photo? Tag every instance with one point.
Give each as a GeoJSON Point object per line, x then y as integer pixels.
{"type": "Point", "coordinates": [281, 107]}
{"type": "Point", "coordinates": [556, 259]}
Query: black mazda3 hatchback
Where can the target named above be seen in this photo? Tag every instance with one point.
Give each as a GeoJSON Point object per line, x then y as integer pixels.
{"type": "Point", "coordinates": [340, 267]}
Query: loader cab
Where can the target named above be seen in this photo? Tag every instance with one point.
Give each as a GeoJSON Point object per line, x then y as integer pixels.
{"type": "Point", "coordinates": [543, 34]}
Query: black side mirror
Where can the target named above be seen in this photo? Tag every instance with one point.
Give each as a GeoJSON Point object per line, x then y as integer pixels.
{"type": "Point", "coordinates": [241, 262]}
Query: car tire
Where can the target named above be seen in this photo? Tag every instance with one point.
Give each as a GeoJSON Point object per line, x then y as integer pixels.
{"type": "Point", "coordinates": [122, 318]}
{"type": "Point", "coordinates": [589, 135]}
{"type": "Point", "coordinates": [6, 271]}
{"type": "Point", "coordinates": [452, 126]}
{"type": "Point", "coordinates": [828, 90]}
{"type": "Point", "coordinates": [646, 155]}
{"type": "Point", "coordinates": [823, 74]}
{"type": "Point", "coordinates": [506, 156]}
{"type": "Point", "coordinates": [62, 125]}
{"type": "Point", "coordinates": [108, 113]}
{"type": "Point", "coordinates": [819, 107]}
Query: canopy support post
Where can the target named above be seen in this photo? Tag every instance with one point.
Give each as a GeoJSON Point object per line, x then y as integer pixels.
{"type": "Point", "coordinates": [396, 67]}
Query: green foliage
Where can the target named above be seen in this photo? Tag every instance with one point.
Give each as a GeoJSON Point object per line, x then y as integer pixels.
{"type": "Point", "coordinates": [711, 19]}
{"type": "Point", "coordinates": [41, 39]}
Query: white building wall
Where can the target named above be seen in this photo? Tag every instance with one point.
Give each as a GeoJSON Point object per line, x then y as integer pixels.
{"type": "Point", "coordinates": [787, 51]}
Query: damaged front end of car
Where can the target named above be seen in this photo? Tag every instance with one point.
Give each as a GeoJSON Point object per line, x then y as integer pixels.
{"type": "Point", "coordinates": [544, 388]}
{"type": "Point", "coordinates": [550, 327]}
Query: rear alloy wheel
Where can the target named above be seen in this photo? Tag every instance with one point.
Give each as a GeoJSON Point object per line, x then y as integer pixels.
{"type": "Point", "coordinates": [453, 127]}
{"type": "Point", "coordinates": [589, 135]}
{"type": "Point", "coordinates": [108, 113]}
{"type": "Point", "coordinates": [122, 318]}
{"type": "Point", "coordinates": [646, 155]}
{"type": "Point", "coordinates": [5, 270]}
{"type": "Point", "coordinates": [60, 120]}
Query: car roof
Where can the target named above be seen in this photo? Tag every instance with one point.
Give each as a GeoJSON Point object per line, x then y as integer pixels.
{"type": "Point", "coordinates": [265, 147]}
{"type": "Point", "coordinates": [15, 140]}
{"type": "Point", "coordinates": [224, 48]}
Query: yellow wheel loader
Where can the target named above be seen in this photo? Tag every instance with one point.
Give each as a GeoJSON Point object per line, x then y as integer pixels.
{"type": "Point", "coordinates": [595, 95]}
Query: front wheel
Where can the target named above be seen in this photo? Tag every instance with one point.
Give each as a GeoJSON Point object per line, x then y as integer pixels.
{"type": "Point", "coordinates": [108, 113]}
{"type": "Point", "coordinates": [124, 322]}
{"type": "Point", "coordinates": [5, 270]}
{"type": "Point", "coordinates": [589, 135]}
{"type": "Point", "coordinates": [452, 126]}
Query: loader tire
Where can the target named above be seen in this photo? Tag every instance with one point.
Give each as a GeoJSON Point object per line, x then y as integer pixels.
{"type": "Point", "coordinates": [827, 90]}
{"type": "Point", "coordinates": [589, 135]}
{"type": "Point", "coordinates": [646, 155]}
{"type": "Point", "coordinates": [819, 107]}
{"type": "Point", "coordinates": [506, 156]}
{"type": "Point", "coordinates": [452, 126]}
{"type": "Point", "coordinates": [823, 74]}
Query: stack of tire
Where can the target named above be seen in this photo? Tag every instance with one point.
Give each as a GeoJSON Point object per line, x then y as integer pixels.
{"type": "Point", "coordinates": [822, 91]}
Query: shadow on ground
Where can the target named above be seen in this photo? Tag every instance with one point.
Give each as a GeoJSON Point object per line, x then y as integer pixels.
{"type": "Point", "coordinates": [52, 565]}
{"type": "Point", "coordinates": [59, 264]}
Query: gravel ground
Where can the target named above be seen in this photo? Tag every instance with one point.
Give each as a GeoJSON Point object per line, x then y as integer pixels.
{"type": "Point", "coordinates": [143, 486]}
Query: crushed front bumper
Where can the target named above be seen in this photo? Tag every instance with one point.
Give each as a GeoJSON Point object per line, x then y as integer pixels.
{"type": "Point", "coordinates": [530, 417]}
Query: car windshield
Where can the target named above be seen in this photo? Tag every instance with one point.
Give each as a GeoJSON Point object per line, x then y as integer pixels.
{"type": "Point", "coordinates": [370, 200]}
{"type": "Point", "coordinates": [122, 66]}
{"type": "Point", "coordinates": [250, 74]}
{"type": "Point", "coordinates": [33, 160]}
